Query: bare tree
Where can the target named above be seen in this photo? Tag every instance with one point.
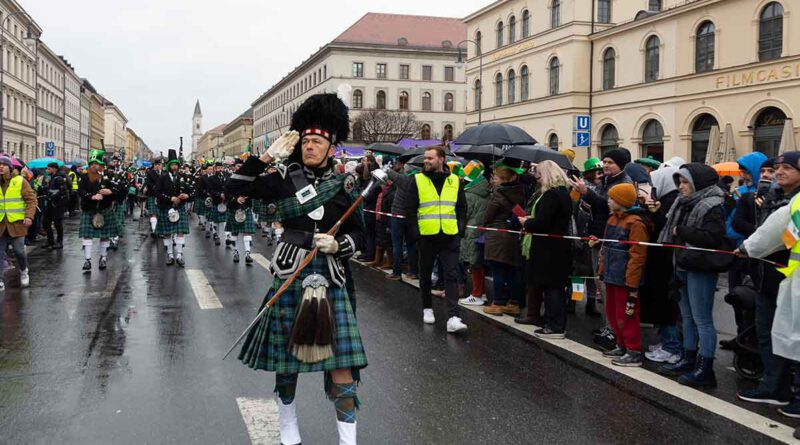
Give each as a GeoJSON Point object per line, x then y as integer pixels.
{"type": "Point", "coordinates": [384, 126]}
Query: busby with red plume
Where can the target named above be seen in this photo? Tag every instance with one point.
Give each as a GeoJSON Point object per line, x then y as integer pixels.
{"type": "Point", "coordinates": [324, 115]}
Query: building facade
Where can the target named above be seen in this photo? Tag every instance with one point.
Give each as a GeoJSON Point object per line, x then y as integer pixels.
{"type": "Point", "coordinates": [210, 144]}
{"type": "Point", "coordinates": [115, 133]}
{"type": "Point", "coordinates": [655, 75]}
{"type": "Point", "coordinates": [72, 114]}
{"type": "Point", "coordinates": [391, 62]}
{"type": "Point", "coordinates": [50, 111]}
{"type": "Point", "coordinates": [238, 135]}
{"type": "Point", "coordinates": [19, 106]}
{"type": "Point", "coordinates": [131, 148]}
{"type": "Point", "coordinates": [86, 119]}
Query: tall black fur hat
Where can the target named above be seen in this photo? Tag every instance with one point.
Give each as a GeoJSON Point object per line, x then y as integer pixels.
{"type": "Point", "coordinates": [324, 115]}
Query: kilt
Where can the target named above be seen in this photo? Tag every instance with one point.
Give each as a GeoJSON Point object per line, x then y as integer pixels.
{"type": "Point", "coordinates": [150, 206]}
{"type": "Point", "coordinates": [120, 210]}
{"type": "Point", "coordinates": [202, 209]}
{"type": "Point", "coordinates": [164, 227]}
{"type": "Point", "coordinates": [266, 345]}
{"type": "Point", "coordinates": [216, 217]}
{"type": "Point", "coordinates": [258, 207]}
{"type": "Point", "coordinates": [246, 227]}
{"type": "Point", "coordinates": [110, 228]}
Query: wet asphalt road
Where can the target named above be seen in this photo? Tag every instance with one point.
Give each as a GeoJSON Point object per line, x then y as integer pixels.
{"type": "Point", "coordinates": [126, 356]}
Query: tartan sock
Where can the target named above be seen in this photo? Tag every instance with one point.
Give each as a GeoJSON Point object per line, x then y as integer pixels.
{"type": "Point", "coordinates": [285, 386]}
{"type": "Point", "coordinates": [168, 245]}
{"type": "Point", "coordinates": [153, 222]}
{"type": "Point", "coordinates": [104, 247]}
{"type": "Point", "coordinates": [248, 241]}
{"type": "Point", "coordinates": [179, 242]}
{"type": "Point", "coordinates": [345, 401]}
{"type": "Point", "coordinates": [87, 249]}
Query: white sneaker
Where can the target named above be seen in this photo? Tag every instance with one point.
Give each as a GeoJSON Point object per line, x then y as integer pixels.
{"type": "Point", "coordinates": [655, 347]}
{"type": "Point", "coordinates": [287, 423]}
{"type": "Point", "coordinates": [24, 278]}
{"type": "Point", "coordinates": [662, 356]}
{"type": "Point", "coordinates": [2, 286]}
{"type": "Point", "coordinates": [471, 301]}
{"type": "Point", "coordinates": [427, 316]}
{"type": "Point", "coordinates": [454, 324]}
{"type": "Point", "coordinates": [347, 433]}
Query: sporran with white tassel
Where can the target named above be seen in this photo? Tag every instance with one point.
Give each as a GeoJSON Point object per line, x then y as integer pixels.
{"type": "Point", "coordinates": [314, 330]}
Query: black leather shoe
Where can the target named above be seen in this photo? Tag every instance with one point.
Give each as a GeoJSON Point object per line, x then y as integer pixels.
{"type": "Point", "coordinates": [102, 264]}
{"type": "Point", "coordinates": [180, 261]}
{"type": "Point", "coordinates": [248, 259]}
{"type": "Point", "coordinates": [235, 256]}
{"type": "Point", "coordinates": [87, 266]}
{"type": "Point", "coordinates": [170, 260]}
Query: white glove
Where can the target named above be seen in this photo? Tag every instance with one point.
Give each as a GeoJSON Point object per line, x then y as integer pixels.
{"type": "Point", "coordinates": [326, 243]}
{"type": "Point", "coordinates": [283, 147]}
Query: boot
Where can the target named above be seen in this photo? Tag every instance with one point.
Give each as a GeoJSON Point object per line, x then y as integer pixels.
{"type": "Point", "coordinates": [533, 317]}
{"type": "Point", "coordinates": [378, 258]}
{"type": "Point", "coordinates": [287, 423]}
{"type": "Point", "coordinates": [703, 374]}
{"type": "Point", "coordinates": [389, 263]}
{"type": "Point", "coordinates": [686, 364]}
{"type": "Point", "coordinates": [347, 433]}
{"type": "Point", "coordinates": [591, 308]}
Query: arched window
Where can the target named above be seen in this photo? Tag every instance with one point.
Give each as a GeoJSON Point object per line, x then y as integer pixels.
{"type": "Point", "coordinates": [653, 140]}
{"type": "Point", "coordinates": [448, 102]}
{"type": "Point", "coordinates": [512, 30]}
{"type": "Point", "coordinates": [500, 34]}
{"type": "Point", "coordinates": [498, 89]}
{"type": "Point", "coordinates": [512, 87]}
{"type": "Point", "coordinates": [358, 99]}
{"type": "Point", "coordinates": [526, 24]}
{"type": "Point", "coordinates": [609, 139]}
{"type": "Point", "coordinates": [448, 132]}
{"type": "Point", "coordinates": [478, 93]}
{"type": "Point", "coordinates": [358, 131]}
{"type": "Point", "coordinates": [425, 133]}
{"type": "Point", "coordinates": [524, 84]}
{"type": "Point", "coordinates": [478, 43]}
{"type": "Point", "coordinates": [704, 48]}
{"type": "Point", "coordinates": [701, 133]}
{"type": "Point", "coordinates": [404, 100]}
{"type": "Point", "coordinates": [768, 131]}
{"type": "Point", "coordinates": [555, 14]}
{"type": "Point", "coordinates": [552, 141]}
{"type": "Point", "coordinates": [604, 11]}
{"type": "Point", "coordinates": [555, 68]}
{"type": "Point", "coordinates": [651, 59]}
{"type": "Point", "coordinates": [609, 68]}
{"type": "Point", "coordinates": [654, 5]}
{"type": "Point", "coordinates": [426, 101]}
{"type": "Point", "coordinates": [770, 32]}
{"type": "Point", "coordinates": [380, 100]}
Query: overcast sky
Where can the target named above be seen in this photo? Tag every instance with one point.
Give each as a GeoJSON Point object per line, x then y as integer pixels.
{"type": "Point", "coordinates": [155, 58]}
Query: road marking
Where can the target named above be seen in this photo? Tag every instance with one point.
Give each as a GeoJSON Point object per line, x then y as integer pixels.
{"type": "Point", "coordinates": [261, 418]}
{"type": "Point", "coordinates": [203, 292]}
{"type": "Point", "coordinates": [263, 262]}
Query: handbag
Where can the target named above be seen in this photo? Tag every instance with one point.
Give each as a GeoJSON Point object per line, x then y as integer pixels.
{"type": "Point", "coordinates": [700, 261]}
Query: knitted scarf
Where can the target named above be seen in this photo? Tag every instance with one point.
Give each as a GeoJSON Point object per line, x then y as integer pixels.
{"type": "Point", "coordinates": [697, 204]}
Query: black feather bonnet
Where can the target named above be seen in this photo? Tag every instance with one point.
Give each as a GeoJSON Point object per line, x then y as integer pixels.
{"type": "Point", "coordinates": [322, 114]}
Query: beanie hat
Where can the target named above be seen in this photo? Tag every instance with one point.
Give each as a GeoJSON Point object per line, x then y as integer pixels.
{"type": "Point", "coordinates": [569, 153]}
{"type": "Point", "coordinates": [791, 158]}
{"type": "Point", "coordinates": [623, 194]}
{"type": "Point", "coordinates": [769, 163]}
{"type": "Point", "coordinates": [5, 160]}
{"type": "Point", "coordinates": [621, 158]}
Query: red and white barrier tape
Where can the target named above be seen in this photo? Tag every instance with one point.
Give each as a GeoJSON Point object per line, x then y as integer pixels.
{"type": "Point", "coordinates": [591, 238]}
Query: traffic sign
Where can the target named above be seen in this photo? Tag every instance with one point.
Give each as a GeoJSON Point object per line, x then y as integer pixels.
{"type": "Point", "coordinates": [583, 139]}
{"type": "Point", "coordinates": [49, 148]}
{"type": "Point", "coordinates": [583, 122]}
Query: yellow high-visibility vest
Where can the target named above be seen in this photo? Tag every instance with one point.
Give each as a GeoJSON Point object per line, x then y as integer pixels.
{"type": "Point", "coordinates": [437, 213]}
{"type": "Point", "coordinates": [74, 178]}
{"type": "Point", "coordinates": [790, 237]}
{"type": "Point", "coordinates": [12, 206]}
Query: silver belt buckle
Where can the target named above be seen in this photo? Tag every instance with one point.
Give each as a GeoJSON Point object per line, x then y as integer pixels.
{"type": "Point", "coordinates": [306, 194]}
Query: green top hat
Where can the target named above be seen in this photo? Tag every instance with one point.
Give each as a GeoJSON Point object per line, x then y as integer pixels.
{"type": "Point", "coordinates": [172, 158]}
{"type": "Point", "coordinates": [592, 164]}
{"type": "Point", "coordinates": [96, 156]}
{"type": "Point", "coordinates": [501, 164]}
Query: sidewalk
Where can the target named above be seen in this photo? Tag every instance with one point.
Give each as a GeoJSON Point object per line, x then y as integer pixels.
{"type": "Point", "coordinates": [722, 400]}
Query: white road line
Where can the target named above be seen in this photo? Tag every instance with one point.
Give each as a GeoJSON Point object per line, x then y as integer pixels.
{"type": "Point", "coordinates": [261, 418]}
{"type": "Point", "coordinates": [203, 292]}
{"type": "Point", "coordinates": [261, 260]}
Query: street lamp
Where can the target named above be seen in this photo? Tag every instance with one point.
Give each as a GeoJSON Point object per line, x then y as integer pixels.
{"type": "Point", "coordinates": [461, 63]}
{"type": "Point", "coordinates": [30, 41]}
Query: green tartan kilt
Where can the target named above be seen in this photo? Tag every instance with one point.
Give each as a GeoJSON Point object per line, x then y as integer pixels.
{"type": "Point", "coordinates": [164, 227]}
{"type": "Point", "coordinates": [266, 345]}
{"type": "Point", "coordinates": [246, 227]}
{"type": "Point", "coordinates": [216, 217]}
{"type": "Point", "coordinates": [110, 228]}
{"type": "Point", "coordinates": [202, 209]}
{"type": "Point", "coordinates": [120, 216]}
{"type": "Point", "coordinates": [258, 207]}
{"type": "Point", "coordinates": [150, 206]}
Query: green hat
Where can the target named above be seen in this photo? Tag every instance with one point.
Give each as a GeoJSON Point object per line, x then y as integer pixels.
{"type": "Point", "coordinates": [473, 170]}
{"type": "Point", "coordinates": [96, 156]}
{"type": "Point", "coordinates": [648, 162]}
{"type": "Point", "coordinates": [455, 168]}
{"type": "Point", "coordinates": [501, 164]}
{"type": "Point", "coordinates": [172, 158]}
{"type": "Point", "coordinates": [592, 164]}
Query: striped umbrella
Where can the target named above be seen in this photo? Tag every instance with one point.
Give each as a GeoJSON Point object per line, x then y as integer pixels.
{"type": "Point", "coordinates": [729, 149]}
{"type": "Point", "coordinates": [712, 151]}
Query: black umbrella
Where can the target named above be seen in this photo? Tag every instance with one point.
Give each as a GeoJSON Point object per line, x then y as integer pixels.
{"type": "Point", "coordinates": [538, 153]}
{"type": "Point", "coordinates": [481, 152]}
{"type": "Point", "coordinates": [386, 148]}
{"type": "Point", "coordinates": [414, 152]}
{"type": "Point", "coordinates": [494, 134]}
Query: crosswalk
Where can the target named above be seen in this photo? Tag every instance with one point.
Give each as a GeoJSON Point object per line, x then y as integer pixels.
{"type": "Point", "coordinates": [203, 292]}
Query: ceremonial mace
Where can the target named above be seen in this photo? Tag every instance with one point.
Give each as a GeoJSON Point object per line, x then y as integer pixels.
{"type": "Point", "coordinates": [379, 177]}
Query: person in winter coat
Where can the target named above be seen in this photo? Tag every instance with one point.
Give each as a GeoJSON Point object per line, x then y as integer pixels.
{"type": "Point", "coordinates": [476, 190]}
{"type": "Point", "coordinates": [621, 269]}
{"type": "Point", "coordinates": [15, 219]}
{"type": "Point", "coordinates": [501, 251]}
{"type": "Point", "coordinates": [383, 234]}
{"type": "Point", "coordinates": [696, 219]}
{"type": "Point", "coordinates": [548, 261]}
{"type": "Point", "coordinates": [659, 307]}
{"type": "Point", "coordinates": [364, 174]}
{"type": "Point", "coordinates": [402, 176]}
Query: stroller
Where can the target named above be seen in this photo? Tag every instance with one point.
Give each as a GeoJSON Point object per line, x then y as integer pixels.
{"type": "Point", "coordinates": [746, 359]}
